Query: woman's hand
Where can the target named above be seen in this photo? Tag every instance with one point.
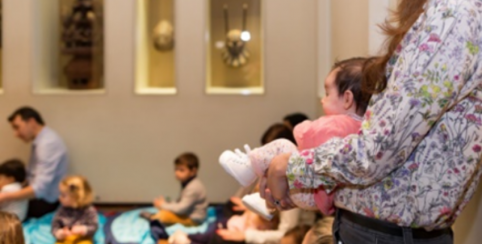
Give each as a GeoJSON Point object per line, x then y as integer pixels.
{"type": "Point", "coordinates": [231, 235]}
{"type": "Point", "coordinates": [275, 184]}
{"type": "Point", "coordinates": [238, 204]}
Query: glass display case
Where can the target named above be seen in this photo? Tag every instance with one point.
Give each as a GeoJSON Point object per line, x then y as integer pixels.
{"type": "Point", "coordinates": [234, 56]}
{"type": "Point", "coordinates": [155, 47]}
{"type": "Point", "coordinates": [68, 51]}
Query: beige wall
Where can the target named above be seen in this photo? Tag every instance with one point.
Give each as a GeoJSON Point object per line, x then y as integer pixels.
{"type": "Point", "coordinates": [349, 28]}
{"type": "Point", "coordinates": [125, 143]}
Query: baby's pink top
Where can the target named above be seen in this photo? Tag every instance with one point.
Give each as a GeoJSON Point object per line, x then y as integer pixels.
{"type": "Point", "coordinates": [311, 134]}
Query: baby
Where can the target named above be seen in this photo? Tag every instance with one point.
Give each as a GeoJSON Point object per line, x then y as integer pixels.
{"type": "Point", "coordinates": [343, 105]}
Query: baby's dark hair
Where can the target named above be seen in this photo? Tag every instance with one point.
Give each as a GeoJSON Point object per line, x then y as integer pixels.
{"type": "Point", "coordinates": [295, 118]}
{"type": "Point", "coordinates": [277, 131]}
{"type": "Point", "coordinates": [349, 77]}
{"type": "Point", "coordinates": [188, 159]}
{"type": "Point", "coordinates": [298, 233]}
{"type": "Point", "coordinates": [14, 168]}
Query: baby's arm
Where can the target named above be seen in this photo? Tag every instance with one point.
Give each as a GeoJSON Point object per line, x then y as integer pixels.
{"type": "Point", "coordinates": [91, 221]}
{"type": "Point", "coordinates": [58, 225]}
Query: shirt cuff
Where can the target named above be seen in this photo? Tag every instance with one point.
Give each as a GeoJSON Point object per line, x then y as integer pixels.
{"type": "Point", "coordinates": [301, 173]}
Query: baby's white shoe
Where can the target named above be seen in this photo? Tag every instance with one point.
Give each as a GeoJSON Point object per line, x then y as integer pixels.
{"type": "Point", "coordinates": [237, 164]}
{"type": "Point", "coordinates": [255, 203]}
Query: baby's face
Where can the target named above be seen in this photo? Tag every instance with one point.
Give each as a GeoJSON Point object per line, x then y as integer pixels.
{"type": "Point", "coordinates": [332, 102]}
{"type": "Point", "coordinates": [65, 197]}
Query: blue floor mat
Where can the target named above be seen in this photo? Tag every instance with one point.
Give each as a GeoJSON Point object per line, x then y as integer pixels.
{"type": "Point", "coordinates": [129, 228]}
{"type": "Point", "coordinates": [38, 231]}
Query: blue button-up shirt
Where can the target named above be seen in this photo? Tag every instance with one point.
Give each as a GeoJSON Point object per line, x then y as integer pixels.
{"type": "Point", "coordinates": [48, 165]}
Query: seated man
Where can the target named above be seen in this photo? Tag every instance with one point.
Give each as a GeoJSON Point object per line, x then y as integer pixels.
{"type": "Point", "coordinates": [47, 166]}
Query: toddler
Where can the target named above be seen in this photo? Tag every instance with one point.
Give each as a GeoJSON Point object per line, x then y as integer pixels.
{"type": "Point", "coordinates": [191, 207]}
{"type": "Point", "coordinates": [10, 229]}
{"type": "Point", "coordinates": [12, 178]}
{"type": "Point", "coordinates": [76, 220]}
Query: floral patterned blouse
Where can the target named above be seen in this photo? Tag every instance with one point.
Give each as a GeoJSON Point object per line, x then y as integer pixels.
{"type": "Point", "coordinates": [417, 159]}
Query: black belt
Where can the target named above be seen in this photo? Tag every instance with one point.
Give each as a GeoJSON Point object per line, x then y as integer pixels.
{"type": "Point", "coordinates": [390, 228]}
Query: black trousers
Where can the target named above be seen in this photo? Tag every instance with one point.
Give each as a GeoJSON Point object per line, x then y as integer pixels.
{"type": "Point", "coordinates": [38, 208]}
{"type": "Point", "coordinates": [347, 231]}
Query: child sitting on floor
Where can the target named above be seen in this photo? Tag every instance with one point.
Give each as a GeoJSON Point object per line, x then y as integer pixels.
{"type": "Point", "coordinates": [76, 220]}
{"type": "Point", "coordinates": [343, 105]}
{"type": "Point", "coordinates": [10, 229]}
{"type": "Point", "coordinates": [12, 177]}
{"type": "Point", "coordinates": [295, 235]}
{"type": "Point", "coordinates": [321, 232]}
{"type": "Point", "coordinates": [191, 207]}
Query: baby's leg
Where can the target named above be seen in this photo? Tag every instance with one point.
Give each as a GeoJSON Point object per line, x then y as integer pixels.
{"type": "Point", "coordinates": [325, 201]}
{"type": "Point", "coordinates": [261, 157]}
{"type": "Point", "coordinates": [314, 199]}
{"type": "Point", "coordinates": [304, 198]}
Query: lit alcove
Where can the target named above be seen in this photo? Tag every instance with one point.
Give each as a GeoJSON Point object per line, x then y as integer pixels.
{"type": "Point", "coordinates": [68, 47]}
{"type": "Point", "coordinates": [155, 47]}
{"type": "Point", "coordinates": [234, 47]}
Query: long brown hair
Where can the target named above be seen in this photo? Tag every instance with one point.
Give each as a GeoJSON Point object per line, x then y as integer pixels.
{"type": "Point", "coordinates": [10, 229]}
{"type": "Point", "coordinates": [374, 78]}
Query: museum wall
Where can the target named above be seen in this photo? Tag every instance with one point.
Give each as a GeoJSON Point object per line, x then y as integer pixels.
{"type": "Point", "coordinates": [125, 143]}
